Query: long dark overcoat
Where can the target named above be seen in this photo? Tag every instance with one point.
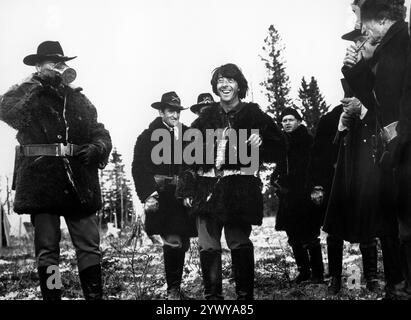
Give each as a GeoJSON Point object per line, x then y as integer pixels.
{"type": "Point", "coordinates": [236, 198]}
{"type": "Point", "coordinates": [37, 112]}
{"type": "Point", "coordinates": [378, 83]}
{"type": "Point", "coordinates": [172, 217]}
{"type": "Point", "coordinates": [296, 215]}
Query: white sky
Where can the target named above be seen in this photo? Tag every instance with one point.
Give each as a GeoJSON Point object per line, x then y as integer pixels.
{"type": "Point", "coordinates": [131, 51]}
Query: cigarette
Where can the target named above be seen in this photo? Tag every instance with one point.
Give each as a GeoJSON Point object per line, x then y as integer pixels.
{"type": "Point", "coordinates": [362, 44]}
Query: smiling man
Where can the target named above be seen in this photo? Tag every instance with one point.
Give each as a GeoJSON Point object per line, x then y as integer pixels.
{"type": "Point", "coordinates": [220, 194]}
{"type": "Point", "coordinates": [155, 185]}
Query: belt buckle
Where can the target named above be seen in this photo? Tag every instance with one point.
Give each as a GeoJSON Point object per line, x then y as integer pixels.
{"type": "Point", "coordinates": [218, 173]}
{"type": "Point", "coordinates": [64, 150]}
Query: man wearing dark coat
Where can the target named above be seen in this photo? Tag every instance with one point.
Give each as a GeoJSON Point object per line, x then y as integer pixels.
{"type": "Point", "coordinates": [224, 191]}
{"type": "Point", "coordinates": [61, 147]}
{"type": "Point", "coordinates": [352, 214]}
{"type": "Point", "coordinates": [155, 177]}
{"type": "Point", "coordinates": [297, 215]}
{"type": "Point", "coordinates": [403, 168]}
{"type": "Point", "coordinates": [378, 82]}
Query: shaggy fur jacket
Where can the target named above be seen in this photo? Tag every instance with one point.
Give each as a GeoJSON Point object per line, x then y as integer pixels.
{"type": "Point", "coordinates": [235, 198]}
{"type": "Point", "coordinates": [42, 114]}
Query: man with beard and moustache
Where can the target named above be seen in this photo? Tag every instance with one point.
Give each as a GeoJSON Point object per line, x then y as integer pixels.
{"type": "Point", "coordinates": [297, 215]}
{"type": "Point", "coordinates": [378, 83]}
{"type": "Point", "coordinates": [219, 192]}
{"type": "Point", "coordinates": [155, 183]}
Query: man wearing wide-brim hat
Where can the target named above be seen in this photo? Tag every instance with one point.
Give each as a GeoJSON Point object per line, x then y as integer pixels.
{"type": "Point", "coordinates": [61, 147]}
{"type": "Point", "coordinates": [203, 100]}
{"type": "Point", "coordinates": [155, 178]}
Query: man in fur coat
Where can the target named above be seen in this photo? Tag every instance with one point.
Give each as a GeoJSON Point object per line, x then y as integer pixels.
{"type": "Point", "coordinates": [219, 191]}
{"type": "Point", "coordinates": [155, 179]}
{"type": "Point", "coordinates": [62, 146]}
{"type": "Point", "coordinates": [297, 215]}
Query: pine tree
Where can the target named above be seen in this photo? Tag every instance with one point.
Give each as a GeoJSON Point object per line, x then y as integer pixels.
{"type": "Point", "coordinates": [116, 193]}
{"type": "Point", "coordinates": [277, 84]}
{"type": "Point", "coordinates": [313, 105]}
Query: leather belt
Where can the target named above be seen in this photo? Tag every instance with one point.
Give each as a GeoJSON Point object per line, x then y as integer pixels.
{"type": "Point", "coordinates": [51, 150]}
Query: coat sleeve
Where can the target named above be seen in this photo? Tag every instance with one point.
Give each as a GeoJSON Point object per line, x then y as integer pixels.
{"type": "Point", "coordinates": [273, 148]}
{"type": "Point", "coordinates": [19, 103]}
{"type": "Point", "coordinates": [99, 135]}
{"type": "Point", "coordinates": [144, 181]}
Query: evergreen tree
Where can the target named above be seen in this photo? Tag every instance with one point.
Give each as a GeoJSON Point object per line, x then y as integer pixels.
{"type": "Point", "coordinates": [116, 193]}
{"type": "Point", "coordinates": [277, 84]}
{"type": "Point", "coordinates": [313, 105]}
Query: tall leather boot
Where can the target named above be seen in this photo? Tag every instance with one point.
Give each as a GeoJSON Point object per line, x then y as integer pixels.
{"type": "Point", "coordinates": [335, 262]}
{"type": "Point", "coordinates": [303, 263]}
{"type": "Point", "coordinates": [316, 261]}
{"type": "Point", "coordinates": [394, 280]}
{"type": "Point", "coordinates": [211, 268]}
{"type": "Point", "coordinates": [173, 266]}
{"type": "Point", "coordinates": [91, 283]}
{"type": "Point", "coordinates": [369, 261]}
{"type": "Point", "coordinates": [47, 294]}
{"type": "Point", "coordinates": [406, 265]}
{"type": "Point", "coordinates": [243, 262]}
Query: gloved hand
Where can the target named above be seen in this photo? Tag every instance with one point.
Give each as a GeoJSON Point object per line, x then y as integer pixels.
{"type": "Point", "coordinates": [89, 154]}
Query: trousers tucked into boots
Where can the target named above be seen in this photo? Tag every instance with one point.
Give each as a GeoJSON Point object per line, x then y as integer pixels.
{"type": "Point", "coordinates": [211, 267]}
{"type": "Point", "coordinates": [303, 263]}
{"type": "Point", "coordinates": [173, 266]}
{"type": "Point", "coordinates": [335, 262]}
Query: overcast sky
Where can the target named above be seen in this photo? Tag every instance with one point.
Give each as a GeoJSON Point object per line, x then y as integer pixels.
{"type": "Point", "coordinates": [131, 51]}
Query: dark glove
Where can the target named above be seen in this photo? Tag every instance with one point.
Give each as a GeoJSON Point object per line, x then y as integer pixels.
{"type": "Point", "coordinates": [89, 154]}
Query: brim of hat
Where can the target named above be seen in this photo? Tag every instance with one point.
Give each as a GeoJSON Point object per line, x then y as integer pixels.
{"type": "Point", "coordinates": [197, 107]}
{"type": "Point", "coordinates": [162, 105]}
{"type": "Point", "coordinates": [351, 36]}
{"type": "Point", "coordinates": [33, 59]}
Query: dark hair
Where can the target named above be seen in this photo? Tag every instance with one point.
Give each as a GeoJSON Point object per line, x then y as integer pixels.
{"type": "Point", "coordinates": [379, 9]}
{"type": "Point", "coordinates": [230, 71]}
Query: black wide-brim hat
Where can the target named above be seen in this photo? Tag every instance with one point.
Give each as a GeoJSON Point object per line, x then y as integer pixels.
{"type": "Point", "coordinates": [352, 35]}
{"type": "Point", "coordinates": [169, 100]}
{"type": "Point", "coordinates": [203, 100]}
{"type": "Point", "coordinates": [47, 51]}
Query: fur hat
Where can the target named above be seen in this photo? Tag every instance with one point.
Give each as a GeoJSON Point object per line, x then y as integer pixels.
{"type": "Point", "coordinates": [292, 112]}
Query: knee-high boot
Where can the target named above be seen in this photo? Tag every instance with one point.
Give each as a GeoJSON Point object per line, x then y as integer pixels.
{"type": "Point", "coordinates": [335, 262]}
{"type": "Point", "coordinates": [211, 268]}
{"type": "Point", "coordinates": [316, 261]}
{"type": "Point", "coordinates": [303, 263]}
{"type": "Point", "coordinates": [243, 265]}
{"type": "Point", "coordinates": [47, 293]}
{"type": "Point", "coordinates": [369, 261]}
{"type": "Point", "coordinates": [173, 266]}
{"type": "Point", "coordinates": [91, 283]}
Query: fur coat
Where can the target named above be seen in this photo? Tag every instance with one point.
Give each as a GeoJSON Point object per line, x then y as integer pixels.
{"type": "Point", "coordinates": [236, 198]}
{"type": "Point", "coordinates": [172, 217]}
{"type": "Point", "coordinates": [36, 111]}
